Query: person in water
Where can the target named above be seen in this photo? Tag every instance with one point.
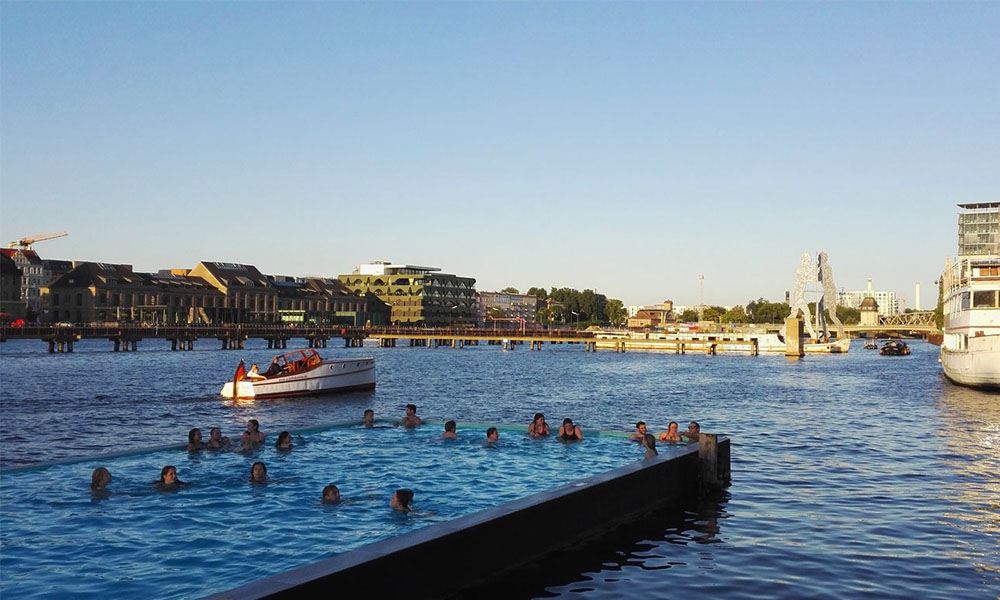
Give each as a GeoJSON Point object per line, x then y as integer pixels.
{"type": "Point", "coordinates": [640, 432]}
{"type": "Point", "coordinates": [216, 441]}
{"type": "Point", "coordinates": [194, 440]}
{"type": "Point", "coordinates": [401, 500]}
{"type": "Point", "coordinates": [258, 473]}
{"type": "Point", "coordinates": [649, 442]}
{"type": "Point", "coordinates": [331, 494]}
{"type": "Point", "coordinates": [100, 478]}
{"type": "Point", "coordinates": [168, 478]}
{"type": "Point", "coordinates": [411, 419]}
{"type": "Point", "coordinates": [449, 430]}
{"type": "Point", "coordinates": [492, 435]}
{"type": "Point", "coordinates": [693, 433]}
{"type": "Point", "coordinates": [252, 437]}
{"type": "Point", "coordinates": [369, 418]}
{"type": "Point", "coordinates": [284, 441]}
{"type": "Point", "coordinates": [538, 427]}
{"type": "Point", "coordinates": [568, 432]}
{"type": "Point", "coordinates": [670, 435]}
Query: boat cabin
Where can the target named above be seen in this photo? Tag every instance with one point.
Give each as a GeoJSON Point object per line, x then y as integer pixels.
{"type": "Point", "coordinates": [298, 361]}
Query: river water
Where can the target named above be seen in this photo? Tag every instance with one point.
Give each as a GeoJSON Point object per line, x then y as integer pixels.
{"type": "Point", "coordinates": [851, 475]}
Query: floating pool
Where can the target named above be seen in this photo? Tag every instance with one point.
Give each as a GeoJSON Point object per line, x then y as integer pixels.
{"type": "Point", "coordinates": [221, 531]}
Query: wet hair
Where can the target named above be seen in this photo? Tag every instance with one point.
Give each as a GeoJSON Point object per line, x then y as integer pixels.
{"type": "Point", "coordinates": [284, 435]}
{"type": "Point", "coordinates": [411, 406]}
{"type": "Point", "coordinates": [404, 497]}
{"type": "Point", "coordinates": [213, 430]}
{"type": "Point", "coordinates": [491, 431]}
{"type": "Point", "coordinates": [330, 490]}
{"type": "Point", "coordinates": [100, 478]}
{"type": "Point", "coordinates": [567, 421]}
{"type": "Point", "coordinates": [537, 416]}
{"type": "Point", "coordinates": [165, 470]}
{"type": "Point", "coordinates": [674, 423]}
{"type": "Point", "coordinates": [649, 440]}
{"type": "Point", "coordinates": [449, 426]}
{"type": "Point", "coordinates": [191, 435]}
{"type": "Point", "coordinates": [256, 424]}
{"type": "Point", "coordinates": [254, 466]}
{"type": "Point", "coordinates": [369, 411]}
{"type": "Point", "coordinates": [696, 425]}
{"type": "Point", "coordinates": [639, 424]}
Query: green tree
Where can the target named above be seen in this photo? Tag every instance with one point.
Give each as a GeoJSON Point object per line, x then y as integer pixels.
{"type": "Point", "coordinates": [762, 311]}
{"type": "Point", "coordinates": [689, 316]}
{"type": "Point", "coordinates": [939, 311]}
{"type": "Point", "coordinates": [509, 290]}
{"type": "Point", "coordinates": [538, 292]}
{"type": "Point", "coordinates": [616, 311]}
{"type": "Point", "coordinates": [713, 313]}
{"type": "Point", "coordinates": [497, 313]}
{"type": "Point", "coordinates": [735, 314]}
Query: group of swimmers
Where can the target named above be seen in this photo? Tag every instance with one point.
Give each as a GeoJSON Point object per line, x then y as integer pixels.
{"type": "Point", "coordinates": [401, 499]}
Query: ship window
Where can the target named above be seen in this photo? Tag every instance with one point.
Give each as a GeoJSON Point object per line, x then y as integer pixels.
{"type": "Point", "coordinates": [984, 299]}
{"type": "Point", "coordinates": [965, 300]}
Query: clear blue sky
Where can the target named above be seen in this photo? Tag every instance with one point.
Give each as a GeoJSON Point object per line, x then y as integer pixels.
{"type": "Point", "coordinates": [626, 147]}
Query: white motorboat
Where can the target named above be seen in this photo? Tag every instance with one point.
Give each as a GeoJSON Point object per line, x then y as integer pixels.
{"type": "Point", "coordinates": [301, 373]}
{"type": "Point", "coordinates": [970, 348]}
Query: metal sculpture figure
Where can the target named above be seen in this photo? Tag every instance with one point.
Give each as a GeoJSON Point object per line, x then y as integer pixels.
{"type": "Point", "coordinates": [828, 302]}
{"type": "Point", "coordinates": [798, 299]}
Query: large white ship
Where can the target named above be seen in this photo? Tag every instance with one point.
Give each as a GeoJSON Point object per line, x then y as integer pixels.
{"type": "Point", "coordinates": [970, 349]}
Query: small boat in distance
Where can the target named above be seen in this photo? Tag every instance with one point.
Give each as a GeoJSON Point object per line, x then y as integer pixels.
{"type": "Point", "coordinates": [871, 344]}
{"type": "Point", "coordinates": [301, 373]}
{"type": "Point", "coordinates": [894, 348]}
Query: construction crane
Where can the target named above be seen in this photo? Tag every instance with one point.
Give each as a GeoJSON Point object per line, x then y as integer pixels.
{"type": "Point", "coordinates": [25, 243]}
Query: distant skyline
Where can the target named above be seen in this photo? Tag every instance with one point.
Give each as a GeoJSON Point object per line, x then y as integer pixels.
{"type": "Point", "coordinates": [622, 147]}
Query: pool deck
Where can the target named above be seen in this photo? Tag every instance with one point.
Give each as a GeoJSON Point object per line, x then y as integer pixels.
{"type": "Point", "coordinates": [444, 559]}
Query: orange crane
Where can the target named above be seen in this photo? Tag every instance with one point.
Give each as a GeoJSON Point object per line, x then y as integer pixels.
{"type": "Point", "coordinates": [25, 243]}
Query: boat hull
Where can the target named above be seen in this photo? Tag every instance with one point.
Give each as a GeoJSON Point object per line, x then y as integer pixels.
{"type": "Point", "coordinates": [977, 367]}
{"type": "Point", "coordinates": [328, 377]}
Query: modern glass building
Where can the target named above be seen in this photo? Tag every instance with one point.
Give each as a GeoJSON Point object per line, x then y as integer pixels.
{"type": "Point", "coordinates": [979, 229]}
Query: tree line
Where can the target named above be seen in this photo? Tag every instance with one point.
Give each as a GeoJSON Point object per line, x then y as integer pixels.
{"type": "Point", "coordinates": [575, 308]}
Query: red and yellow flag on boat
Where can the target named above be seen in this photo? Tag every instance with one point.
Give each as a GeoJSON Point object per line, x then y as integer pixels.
{"type": "Point", "coordinates": [241, 373]}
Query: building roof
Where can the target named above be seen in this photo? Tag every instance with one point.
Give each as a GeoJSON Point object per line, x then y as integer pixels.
{"type": "Point", "coordinates": [869, 303]}
{"type": "Point", "coordinates": [236, 275]}
{"type": "Point", "coordinates": [978, 205]}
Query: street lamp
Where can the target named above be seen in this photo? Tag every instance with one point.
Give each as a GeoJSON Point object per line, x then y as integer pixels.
{"type": "Point", "coordinates": [577, 319]}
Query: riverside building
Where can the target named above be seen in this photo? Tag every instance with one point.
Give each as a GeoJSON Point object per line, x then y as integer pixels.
{"type": "Point", "coordinates": [417, 295]}
{"type": "Point", "coordinates": [513, 306]}
{"type": "Point", "coordinates": [979, 229]}
{"type": "Point", "coordinates": [887, 303]}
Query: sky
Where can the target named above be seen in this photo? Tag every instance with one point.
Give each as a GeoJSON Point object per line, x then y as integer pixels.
{"type": "Point", "coordinates": [623, 147]}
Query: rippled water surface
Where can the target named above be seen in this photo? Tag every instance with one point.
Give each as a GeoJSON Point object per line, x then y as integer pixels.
{"type": "Point", "coordinates": [852, 475]}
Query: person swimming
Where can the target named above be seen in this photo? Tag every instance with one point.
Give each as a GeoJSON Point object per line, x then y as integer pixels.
{"type": "Point", "coordinates": [538, 427]}
{"type": "Point", "coordinates": [216, 441]}
{"type": "Point", "coordinates": [258, 473]}
{"type": "Point", "coordinates": [331, 494]}
{"type": "Point", "coordinates": [194, 440]}
{"type": "Point", "coordinates": [640, 432]}
{"type": "Point", "coordinates": [369, 418]}
{"type": "Point", "coordinates": [449, 430]}
{"type": "Point", "coordinates": [649, 442]}
{"type": "Point", "coordinates": [168, 478]}
{"type": "Point", "coordinates": [252, 437]}
{"type": "Point", "coordinates": [401, 500]}
{"type": "Point", "coordinates": [492, 435]}
{"type": "Point", "coordinates": [411, 419]}
{"type": "Point", "coordinates": [100, 478]}
{"type": "Point", "coordinates": [693, 433]}
{"type": "Point", "coordinates": [670, 435]}
{"type": "Point", "coordinates": [284, 441]}
{"type": "Point", "coordinates": [568, 432]}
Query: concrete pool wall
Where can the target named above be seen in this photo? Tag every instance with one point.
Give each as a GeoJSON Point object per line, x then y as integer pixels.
{"type": "Point", "coordinates": [441, 560]}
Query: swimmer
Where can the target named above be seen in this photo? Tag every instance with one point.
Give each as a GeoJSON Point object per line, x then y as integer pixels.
{"type": "Point", "coordinates": [538, 427]}
{"type": "Point", "coordinates": [168, 478]}
{"type": "Point", "coordinates": [100, 478]}
{"type": "Point", "coordinates": [401, 500]}
{"type": "Point", "coordinates": [194, 440]}
{"type": "Point", "coordinates": [449, 430]}
{"type": "Point", "coordinates": [492, 435]}
{"type": "Point", "coordinates": [216, 441]}
{"type": "Point", "coordinates": [252, 437]}
{"type": "Point", "coordinates": [568, 432]}
{"type": "Point", "coordinates": [693, 432]}
{"type": "Point", "coordinates": [640, 432]}
{"type": "Point", "coordinates": [369, 418]}
{"type": "Point", "coordinates": [411, 419]}
{"type": "Point", "coordinates": [331, 494]}
{"type": "Point", "coordinates": [670, 435]}
{"type": "Point", "coordinates": [258, 473]}
{"type": "Point", "coordinates": [284, 441]}
{"type": "Point", "coordinates": [649, 442]}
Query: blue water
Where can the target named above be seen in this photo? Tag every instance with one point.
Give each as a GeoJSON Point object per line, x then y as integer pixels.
{"type": "Point", "coordinates": [220, 531]}
{"type": "Point", "coordinates": [852, 475]}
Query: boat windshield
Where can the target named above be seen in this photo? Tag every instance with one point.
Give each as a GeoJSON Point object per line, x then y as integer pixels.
{"type": "Point", "coordinates": [298, 355]}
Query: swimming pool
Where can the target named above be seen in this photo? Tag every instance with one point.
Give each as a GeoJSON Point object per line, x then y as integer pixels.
{"type": "Point", "coordinates": [221, 531]}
